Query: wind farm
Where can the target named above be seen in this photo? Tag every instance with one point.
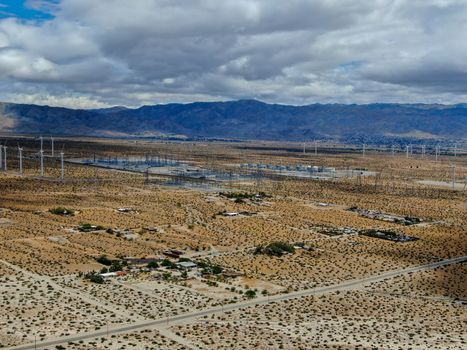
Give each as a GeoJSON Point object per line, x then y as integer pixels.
{"type": "Point", "coordinates": [95, 226]}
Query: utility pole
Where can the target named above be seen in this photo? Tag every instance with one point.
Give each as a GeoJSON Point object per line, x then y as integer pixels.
{"type": "Point", "coordinates": [52, 144]}
{"type": "Point", "coordinates": [304, 147]}
{"type": "Point", "coordinates": [392, 150]}
{"type": "Point", "coordinates": [455, 150]}
{"type": "Point", "coordinates": [436, 153]}
{"type": "Point", "coordinates": [42, 143]}
{"type": "Point", "coordinates": [407, 152]}
{"type": "Point", "coordinates": [423, 151]}
{"type": "Point", "coordinates": [316, 149]}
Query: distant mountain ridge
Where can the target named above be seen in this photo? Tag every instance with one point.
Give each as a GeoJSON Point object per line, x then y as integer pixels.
{"type": "Point", "coordinates": [243, 119]}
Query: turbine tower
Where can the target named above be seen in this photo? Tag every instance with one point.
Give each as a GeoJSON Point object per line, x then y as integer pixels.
{"type": "Point", "coordinates": [42, 143]}
{"type": "Point", "coordinates": [62, 167]}
{"type": "Point", "coordinates": [5, 167]}
{"type": "Point", "coordinates": [392, 150]}
{"type": "Point", "coordinates": [453, 176]}
{"type": "Point", "coordinates": [20, 155]}
{"type": "Point", "coordinates": [42, 162]}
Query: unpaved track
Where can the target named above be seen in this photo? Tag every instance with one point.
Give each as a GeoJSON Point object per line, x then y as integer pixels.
{"type": "Point", "coordinates": [193, 316]}
{"type": "Point", "coordinates": [70, 291]}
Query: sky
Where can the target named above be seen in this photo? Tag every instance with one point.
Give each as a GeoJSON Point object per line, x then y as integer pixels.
{"type": "Point", "coordinates": [100, 53]}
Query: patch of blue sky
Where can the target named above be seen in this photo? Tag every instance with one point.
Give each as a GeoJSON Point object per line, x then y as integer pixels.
{"type": "Point", "coordinates": [27, 10]}
{"type": "Point", "coordinates": [351, 66]}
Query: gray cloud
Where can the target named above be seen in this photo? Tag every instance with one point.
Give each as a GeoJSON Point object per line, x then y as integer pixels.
{"type": "Point", "coordinates": [98, 53]}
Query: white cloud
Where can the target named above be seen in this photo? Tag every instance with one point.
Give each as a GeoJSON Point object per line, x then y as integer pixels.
{"type": "Point", "coordinates": [100, 53]}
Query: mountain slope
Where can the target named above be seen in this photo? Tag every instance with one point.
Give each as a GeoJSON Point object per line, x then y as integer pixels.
{"type": "Point", "coordinates": [244, 119]}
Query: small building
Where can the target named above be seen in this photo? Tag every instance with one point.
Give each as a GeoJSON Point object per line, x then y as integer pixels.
{"type": "Point", "coordinates": [186, 265]}
{"type": "Point", "coordinates": [108, 275]}
{"type": "Point", "coordinates": [171, 254]}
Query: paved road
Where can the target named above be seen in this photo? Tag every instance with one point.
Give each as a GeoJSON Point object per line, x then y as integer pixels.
{"type": "Point", "coordinates": [188, 317]}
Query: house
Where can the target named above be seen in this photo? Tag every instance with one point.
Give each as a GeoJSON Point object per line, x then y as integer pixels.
{"type": "Point", "coordinates": [170, 254]}
{"type": "Point", "coordinates": [108, 275]}
{"type": "Point", "coordinates": [186, 265]}
{"type": "Point", "coordinates": [112, 274]}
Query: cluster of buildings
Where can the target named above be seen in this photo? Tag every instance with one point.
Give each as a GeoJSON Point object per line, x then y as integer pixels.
{"type": "Point", "coordinates": [299, 167]}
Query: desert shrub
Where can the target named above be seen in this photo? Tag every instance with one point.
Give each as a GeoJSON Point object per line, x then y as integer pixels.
{"type": "Point", "coordinates": [62, 211]}
{"type": "Point", "coordinates": [104, 260]}
{"type": "Point", "coordinates": [216, 269]}
{"type": "Point", "coordinates": [152, 265]}
{"type": "Point", "coordinates": [275, 249]}
{"type": "Point", "coordinates": [88, 227]}
{"type": "Point", "coordinates": [250, 293]}
{"type": "Point", "coordinates": [116, 266]}
{"type": "Point", "coordinates": [169, 264]}
{"type": "Point", "coordinates": [94, 277]}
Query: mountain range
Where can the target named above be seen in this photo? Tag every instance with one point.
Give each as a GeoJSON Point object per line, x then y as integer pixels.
{"type": "Point", "coordinates": [243, 119]}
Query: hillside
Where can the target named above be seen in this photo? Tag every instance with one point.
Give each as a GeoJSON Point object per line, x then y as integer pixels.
{"type": "Point", "coordinates": [244, 119]}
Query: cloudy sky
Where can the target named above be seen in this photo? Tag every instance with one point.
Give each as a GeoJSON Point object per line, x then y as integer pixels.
{"type": "Point", "coordinates": [96, 53]}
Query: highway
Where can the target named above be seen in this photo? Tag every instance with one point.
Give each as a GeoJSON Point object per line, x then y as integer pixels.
{"type": "Point", "coordinates": [192, 316]}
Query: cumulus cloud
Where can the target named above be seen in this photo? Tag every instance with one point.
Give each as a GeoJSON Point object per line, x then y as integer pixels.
{"type": "Point", "coordinates": [115, 52]}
